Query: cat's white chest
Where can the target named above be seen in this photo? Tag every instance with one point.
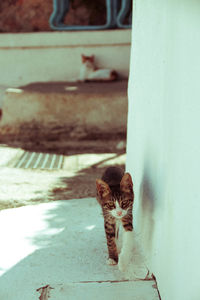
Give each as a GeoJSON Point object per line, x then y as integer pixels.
{"type": "Point", "coordinates": [117, 224]}
{"type": "Point", "coordinates": [84, 73]}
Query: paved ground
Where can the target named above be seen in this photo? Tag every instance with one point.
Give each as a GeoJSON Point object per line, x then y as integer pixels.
{"type": "Point", "coordinates": [76, 180]}
{"type": "Point", "coordinates": [58, 251]}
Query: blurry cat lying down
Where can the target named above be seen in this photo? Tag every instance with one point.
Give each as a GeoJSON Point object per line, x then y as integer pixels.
{"type": "Point", "coordinates": [89, 72]}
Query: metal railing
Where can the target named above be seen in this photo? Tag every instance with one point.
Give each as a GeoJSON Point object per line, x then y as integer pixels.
{"type": "Point", "coordinates": [115, 16]}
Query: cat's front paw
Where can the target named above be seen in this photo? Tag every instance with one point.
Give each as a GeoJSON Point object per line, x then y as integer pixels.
{"type": "Point", "coordinates": [123, 263]}
{"type": "Point", "coordinates": [111, 262]}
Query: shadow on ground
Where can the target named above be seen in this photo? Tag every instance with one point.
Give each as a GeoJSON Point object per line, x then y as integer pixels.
{"type": "Point", "coordinates": [76, 180]}
{"type": "Point", "coordinates": [82, 185]}
{"type": "Point", "coordinates": [59, 143]}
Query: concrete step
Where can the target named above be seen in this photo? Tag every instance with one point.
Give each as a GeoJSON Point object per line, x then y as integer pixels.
{"type": "Point", "coordinates": [63, 111]}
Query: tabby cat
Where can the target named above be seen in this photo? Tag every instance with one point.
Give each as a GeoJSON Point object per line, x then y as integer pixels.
{"type": "Point", "coordinates": [115, 195]}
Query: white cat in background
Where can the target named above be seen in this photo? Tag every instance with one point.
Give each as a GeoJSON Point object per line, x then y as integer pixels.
{"type": "Point", "coordinates": [89, 72]}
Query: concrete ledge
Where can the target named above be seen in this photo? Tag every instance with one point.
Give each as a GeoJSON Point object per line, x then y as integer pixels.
{"type": "Point", "coordinates": [64, 110]}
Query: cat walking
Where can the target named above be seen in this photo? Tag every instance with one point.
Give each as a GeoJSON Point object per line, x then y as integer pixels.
{"type": "Point", "coordinates": [115, 195]}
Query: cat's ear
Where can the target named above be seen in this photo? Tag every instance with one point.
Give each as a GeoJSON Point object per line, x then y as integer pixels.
{"type": "Point", "coordinates": [92, 58]}
{"type": "Point", "coordinates": [126, 184]}
{"type": "Point", "coordinates": [102, 188]}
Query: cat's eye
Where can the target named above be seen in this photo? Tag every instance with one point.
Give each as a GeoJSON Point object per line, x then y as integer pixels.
{"type": "Point", "coordinates": [124, 203]}
{"type": "Point", "coordinates": [110, 204]}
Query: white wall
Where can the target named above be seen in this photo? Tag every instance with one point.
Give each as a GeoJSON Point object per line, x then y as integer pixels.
{"type": "Point", "coordinates": [56, 56]}
{"type": "Point", "coordinates": [164, 141]}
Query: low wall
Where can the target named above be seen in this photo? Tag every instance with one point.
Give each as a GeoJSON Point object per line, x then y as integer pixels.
{"type": "Point", "coordinates": [56, 56]}
{"type": "Point", "coordinates": [53, 112]}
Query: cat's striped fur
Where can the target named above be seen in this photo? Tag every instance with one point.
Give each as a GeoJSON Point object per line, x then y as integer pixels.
{"type": "Point", "coordinates": [115, 195]}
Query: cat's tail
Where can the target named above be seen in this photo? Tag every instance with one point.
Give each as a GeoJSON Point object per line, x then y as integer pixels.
{"type": "Point", "coordinates": [113, 75]}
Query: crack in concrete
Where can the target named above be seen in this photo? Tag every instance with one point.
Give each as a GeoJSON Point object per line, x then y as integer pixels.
{"type": "Point", "coordinates": [44, 292]}
{"type": "Point", "coordinates": [114, 281]}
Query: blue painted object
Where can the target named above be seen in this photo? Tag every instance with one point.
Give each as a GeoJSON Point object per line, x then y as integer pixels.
{"type": "Point", "coordinates": [113, 18]}
{"type": "Point", "coordinates": [125, 9]}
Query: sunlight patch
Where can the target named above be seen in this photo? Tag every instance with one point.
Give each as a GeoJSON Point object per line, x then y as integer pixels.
{"type": "Point", "coordinates": [90, 227]}
{"type": "Point", "coordinates": [34, 160]}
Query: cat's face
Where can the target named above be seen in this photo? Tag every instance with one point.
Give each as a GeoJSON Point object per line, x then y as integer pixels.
{"type": "Point", "coordinates": [117, 207]}
{"type": "Point", "coordinates": [88, 60]}
{"type": "Point", "coordinates": [119, 204]}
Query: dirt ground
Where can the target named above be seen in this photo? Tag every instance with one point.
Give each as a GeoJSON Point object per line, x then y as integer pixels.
{"type": "Point", "coordinates": [75, 180]}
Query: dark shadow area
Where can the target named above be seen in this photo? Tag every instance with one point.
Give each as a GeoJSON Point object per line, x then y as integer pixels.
{"type": "Point", "coordinates": [27, 186]}
{"type": "Point", "coordinates": [82, 185]}
{"type": "Point", "coordinates": [147, 206]}
{"type": "Point", "coordinates": [52, 143]}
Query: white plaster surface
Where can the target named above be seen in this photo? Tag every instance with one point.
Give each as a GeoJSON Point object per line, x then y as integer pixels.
{"type": "Point", "coordinates": [62, 244]}
{"type": "Point", "coordinates": [163, 141]}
